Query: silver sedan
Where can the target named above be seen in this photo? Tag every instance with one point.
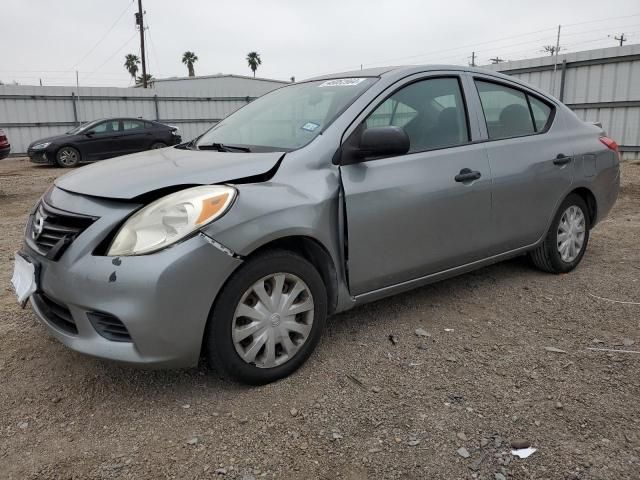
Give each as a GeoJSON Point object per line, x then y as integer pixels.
{"type": "Point", "coordinates": [316, 198]}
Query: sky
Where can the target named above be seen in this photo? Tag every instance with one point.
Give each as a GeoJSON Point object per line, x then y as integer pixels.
{"type": "Point", "coordinates": [49, 40]}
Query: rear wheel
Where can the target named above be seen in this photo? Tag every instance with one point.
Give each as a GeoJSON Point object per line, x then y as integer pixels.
{"type": "Point", "coordinates": [268, 319]}
{"type": "Point", "coordinates": [68, 157]}
{"type": "Point", "coordinates": [567, 239]}
{"type": "Point", "coordinates": [157, 145]}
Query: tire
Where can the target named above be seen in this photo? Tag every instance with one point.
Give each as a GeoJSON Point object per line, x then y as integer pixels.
{"type": "Point", "coordinates": [266, 350]}
{"type": "Point", "coordinates": [68, 157]}
{"type": "Point", "coordinates": [547, 256]}
{"type": "Point", "coordinates": [156, 145]}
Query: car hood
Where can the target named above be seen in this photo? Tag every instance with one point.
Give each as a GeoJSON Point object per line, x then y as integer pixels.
{"type": "Point", "coordinates": [130, 176]}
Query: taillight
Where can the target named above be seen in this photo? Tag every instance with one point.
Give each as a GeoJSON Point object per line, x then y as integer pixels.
{"type": "Point", "coordinates": [611, 145]}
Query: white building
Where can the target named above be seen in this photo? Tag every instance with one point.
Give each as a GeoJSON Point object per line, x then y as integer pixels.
{"type": "Point", "coordinates": [219, 85]}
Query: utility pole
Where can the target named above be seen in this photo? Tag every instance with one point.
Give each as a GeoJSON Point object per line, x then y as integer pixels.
{"type": "Point", "coordinates": [140, 23]}
{"type": "Point", "coordinates": [473, 59]}
{"type": "Point", "coordinates": [555, 63]}
{"type": "Point", "coordinates": [621, 39]}
{"type": "Point", "coordinates": [496, 60]}
{"type": "Point", "coordinates": [78, 90]}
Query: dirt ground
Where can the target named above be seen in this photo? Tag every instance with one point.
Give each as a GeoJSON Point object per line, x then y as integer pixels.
{"type": "Point", "coordinates": [363, 406]}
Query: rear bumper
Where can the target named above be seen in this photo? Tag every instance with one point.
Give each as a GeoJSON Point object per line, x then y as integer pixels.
{"type": "Point", "coordinates": [4, 151]}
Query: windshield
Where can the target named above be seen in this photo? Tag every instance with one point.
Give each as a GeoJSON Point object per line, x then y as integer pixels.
{"type": "Point", "coordinates": [287, 118]}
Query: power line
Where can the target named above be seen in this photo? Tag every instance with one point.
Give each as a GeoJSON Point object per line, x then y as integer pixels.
{"type": "Point", "coordinates": [114, 54]}
{"type": "Point", "coordinates": [502, 39]}
{"type": "Point", "coordinates": [103, 36]}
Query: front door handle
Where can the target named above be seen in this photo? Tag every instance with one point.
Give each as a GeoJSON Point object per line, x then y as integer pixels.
{"type": "Point", "coordinates": [467, 175]}
{"type": "Point", "coordinates": [561, 159]}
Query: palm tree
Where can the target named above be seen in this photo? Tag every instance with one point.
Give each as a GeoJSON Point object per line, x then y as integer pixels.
{"type": "Point", "coordinates": [253, 59]}
{"type": "Point", "coordinates": [131, 62]}
{"type": "Point", "coordinates": [139, 81]}
{"type": "Point", "coordinates": [551, 49]}
{"type": "Point", "coordinates": [189, 58]}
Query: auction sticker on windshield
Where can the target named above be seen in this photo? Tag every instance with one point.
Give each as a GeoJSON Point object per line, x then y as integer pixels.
{"type": "Point", "coordinates": [309, 126]}
{"type": "Point", "coordinates": [342, 82]}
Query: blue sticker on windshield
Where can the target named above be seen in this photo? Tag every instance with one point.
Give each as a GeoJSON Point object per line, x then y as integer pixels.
{"type": "Point", "coordinates": [310, 126]}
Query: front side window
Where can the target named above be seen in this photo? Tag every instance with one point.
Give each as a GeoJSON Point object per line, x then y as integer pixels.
{"type": "Point", "coordinates": [431, 111]}
{"type": "Point", "coordinates": [506, 111]}
{"type": "Point", "coordinates": [107, 127]}
{"type": "Point", "coordinates": [287, 118]}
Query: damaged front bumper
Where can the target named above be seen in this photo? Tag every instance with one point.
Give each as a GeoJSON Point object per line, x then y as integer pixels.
{"type": "Point", "coordinates": [147, 310]}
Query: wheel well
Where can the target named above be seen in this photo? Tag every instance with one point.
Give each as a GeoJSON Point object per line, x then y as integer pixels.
{"type": "Point", "coordinates": [314, 252]}
{"type": "Point", "coordinates": [590, 200]}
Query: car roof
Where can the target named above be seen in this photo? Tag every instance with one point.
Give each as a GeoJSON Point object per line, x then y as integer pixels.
{"type": "Point", "coordinates": [401, 71]}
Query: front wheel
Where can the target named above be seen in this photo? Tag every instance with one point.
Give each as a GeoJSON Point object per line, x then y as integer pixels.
{"type": "Point", "coordinates": [68, 157]}
{"type": "Point", "coordinates": [567, 239]}
{"type": "Point", "coordinates": [267, 319]}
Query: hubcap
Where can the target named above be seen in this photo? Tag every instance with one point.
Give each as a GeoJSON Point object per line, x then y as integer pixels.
{"type": "Point", "coordinates": [273, 320]}
{"type": "Point", "coordinates": [571, 231]}
{"type": "Point", "coordinates": [68, 157]}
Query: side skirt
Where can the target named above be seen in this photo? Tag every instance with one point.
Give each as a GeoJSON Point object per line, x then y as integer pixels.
{"type": "Point", "coordinates": [435, 277]}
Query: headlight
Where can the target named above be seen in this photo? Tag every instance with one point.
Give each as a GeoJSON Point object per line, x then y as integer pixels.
{"type": "Point", "coordinates": [41, 146]}
{"type": "Point", "coordinates": [170, 219]}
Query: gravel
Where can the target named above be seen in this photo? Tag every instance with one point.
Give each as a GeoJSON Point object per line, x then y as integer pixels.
{"type": "Point", "coordinates": [92, 419]}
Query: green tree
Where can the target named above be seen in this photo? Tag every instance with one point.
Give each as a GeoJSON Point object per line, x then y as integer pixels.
{"type": "Point", "coordinates": [131, 62]}
{"type": "Point", "coordinates": [189, 58]}
{"type": "Point", "coordinates": [253, 59]}
{"type": "Point", "coordinates": [139, 81]}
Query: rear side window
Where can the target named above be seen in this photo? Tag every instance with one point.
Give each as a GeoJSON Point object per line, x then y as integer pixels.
{"type": "Point", "coordinates": [132, 124]}
{"type": "Point", "coordinates": [506, 111]}
{"type": "Point", "coordinates": [431, 111]}
{"type": "Point", "coordinates": [510, 112]}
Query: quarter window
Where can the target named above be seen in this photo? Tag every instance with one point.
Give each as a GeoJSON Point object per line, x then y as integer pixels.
{"type": "Point", "coordinates": [541, 113]}
{"type": "Point", "coordinates": [431, 111]}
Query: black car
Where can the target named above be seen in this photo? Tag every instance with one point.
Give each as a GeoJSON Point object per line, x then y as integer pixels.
{"type": "Point", "coordinates": [5, 148]}
{"type": "Point", "coordinates": [102, 139]}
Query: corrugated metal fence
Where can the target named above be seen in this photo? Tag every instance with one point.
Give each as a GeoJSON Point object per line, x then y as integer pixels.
{"type": "Point", "coordinates": [30, 113]}
{"type": "Point", "coordinates": [599, 85]}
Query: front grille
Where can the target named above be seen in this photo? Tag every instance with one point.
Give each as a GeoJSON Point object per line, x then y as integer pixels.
{"type": "Point", "coordinates": [51, 231]}
{"type": "Point", "coordinates": [109, 327]}
{"type": "Point", "coordinates": [55, 313]}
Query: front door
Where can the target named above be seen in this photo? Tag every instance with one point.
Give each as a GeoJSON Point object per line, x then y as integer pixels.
{"type": "Point", "coordinates": [428, 210]}
{"type": "Point", "coordinates": [100, 140]}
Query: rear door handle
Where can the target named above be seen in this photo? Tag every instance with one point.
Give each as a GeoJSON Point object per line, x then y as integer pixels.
{"type": "Point", "coordinates": [467, 175]}
{"type": "Point", "coordinates": [561, 159]}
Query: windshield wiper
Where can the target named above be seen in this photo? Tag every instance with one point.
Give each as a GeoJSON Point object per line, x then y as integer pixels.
{"type": "Point", "coordinates": [220, 147]}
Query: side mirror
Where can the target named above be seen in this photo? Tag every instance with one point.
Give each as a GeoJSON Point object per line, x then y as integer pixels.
{"type": "Point", "coordinates": [376, 142]}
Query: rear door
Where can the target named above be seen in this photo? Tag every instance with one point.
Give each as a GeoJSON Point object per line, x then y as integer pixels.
{"type": "Point", "coordinates": [530, 158]}
{"type": "Point", "coordinates": [408, 216]}
{"type": "Point", "coordinates": [135, 137]}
